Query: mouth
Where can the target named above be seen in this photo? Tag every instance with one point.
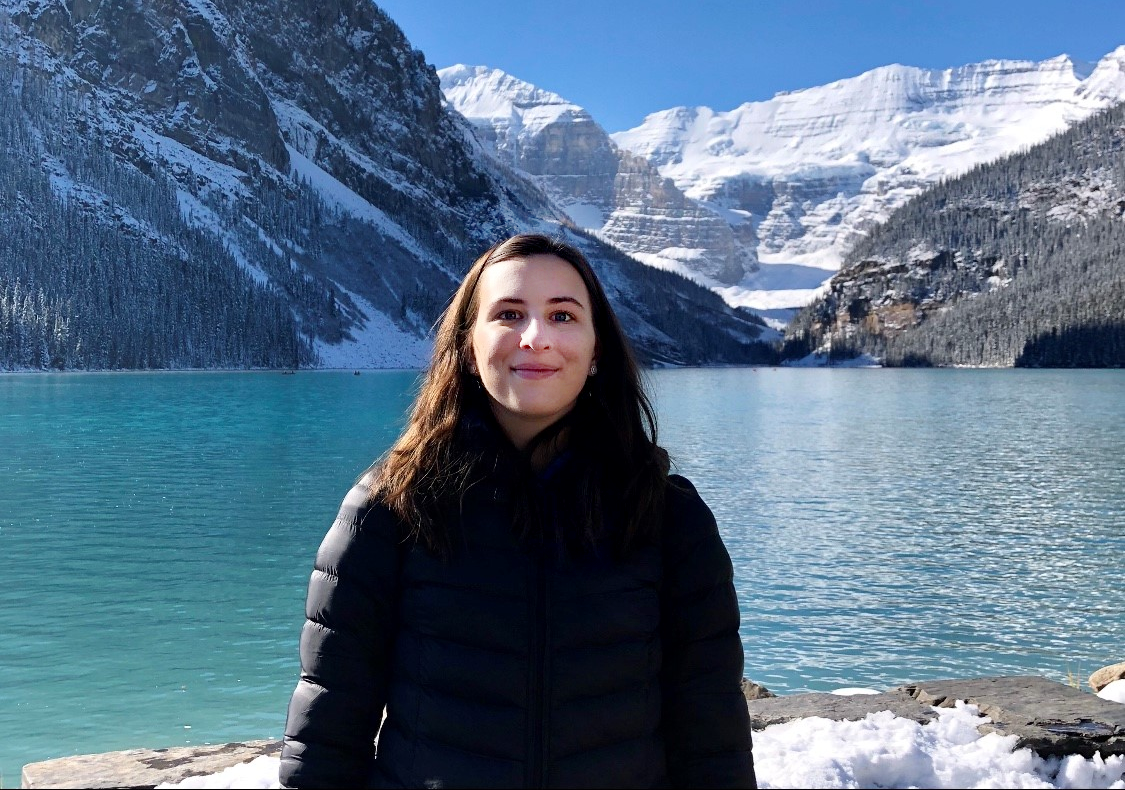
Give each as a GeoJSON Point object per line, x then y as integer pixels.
{"type": "Point", "coordinates": [534, 371]}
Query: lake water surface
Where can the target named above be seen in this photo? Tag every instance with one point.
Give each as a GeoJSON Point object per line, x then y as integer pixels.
{"type": "Point", "coordinates": [887, 526]}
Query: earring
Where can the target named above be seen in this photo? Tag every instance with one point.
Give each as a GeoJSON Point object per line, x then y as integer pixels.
{"type": "Point", "coordinates": [593, 368]}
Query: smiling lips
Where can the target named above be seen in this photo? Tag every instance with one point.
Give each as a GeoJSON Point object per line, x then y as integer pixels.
{"type": "Point", "coordinates": [534, 371]}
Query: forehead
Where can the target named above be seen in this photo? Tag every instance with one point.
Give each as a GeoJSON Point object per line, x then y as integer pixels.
{"type": "Point", "coordinates": [531, 278]}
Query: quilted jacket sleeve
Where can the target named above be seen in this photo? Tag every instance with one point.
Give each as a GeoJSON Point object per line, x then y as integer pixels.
{"type": "Point", "coordinates": [346, 641]}
{"type": "Point", "coordinates": [706, 723]}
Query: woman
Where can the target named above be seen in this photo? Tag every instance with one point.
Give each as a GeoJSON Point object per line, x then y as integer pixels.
{"type": "Point", "coordinates": [519, 584]}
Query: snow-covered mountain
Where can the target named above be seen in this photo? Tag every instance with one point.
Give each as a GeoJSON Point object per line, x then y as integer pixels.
{"type": "Point", "coordinates": [619, 197]}
{"type": "Point", "coordinates": [815, 169]}
{"type": "Point", "coordinates": [195, 183]}
{"type": "Point", "coordinates": [1016, 263]}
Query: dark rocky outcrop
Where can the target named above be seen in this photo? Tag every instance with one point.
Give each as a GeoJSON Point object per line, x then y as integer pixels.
{"type": "Point", "coordinates": [1015, 263]}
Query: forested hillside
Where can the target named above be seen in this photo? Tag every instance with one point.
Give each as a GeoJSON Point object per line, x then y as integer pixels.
{"type": "Point", "coordinates": [1020, 262]}
{"type": "Point", "coordinates": [99, 268]}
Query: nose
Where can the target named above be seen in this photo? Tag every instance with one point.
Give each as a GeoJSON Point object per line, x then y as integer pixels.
{"type": "Point", "coordinates": [535, 336]}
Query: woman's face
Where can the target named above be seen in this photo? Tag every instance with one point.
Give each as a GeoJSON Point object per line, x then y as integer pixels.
{"type": "Point", "coordinates": [532, 341]}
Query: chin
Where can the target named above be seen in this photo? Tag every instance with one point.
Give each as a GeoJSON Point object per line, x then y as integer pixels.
{"type": "Point", "coordinates": [534, 409]}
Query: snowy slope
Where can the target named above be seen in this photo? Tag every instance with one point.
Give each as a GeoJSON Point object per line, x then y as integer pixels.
{"type": "Point", "coordinates": [518, 108]}
{"type": "Point", "coordinates": [816, 168]}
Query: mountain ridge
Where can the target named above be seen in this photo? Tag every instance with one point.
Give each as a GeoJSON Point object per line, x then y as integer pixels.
{"type": "Point", "coordinates": [817, 168]}
{"type": "Point", "coordinates": [606, 191]}
{"type": "Point", "coordinates": [312, 149]}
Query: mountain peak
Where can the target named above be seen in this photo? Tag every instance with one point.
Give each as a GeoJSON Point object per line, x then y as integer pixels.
{"type": "Point", "coordinates": [620, 198]}
{"type": "Point", "coordinates": [815, 168]}
{"type": "Point", "coordinates": [484, 92]}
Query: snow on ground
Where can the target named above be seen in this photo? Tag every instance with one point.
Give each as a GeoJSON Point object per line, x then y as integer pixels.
{"type": "Point", "coordinates": [181, 161]}
{"type": "Point", "coordinates": [200, 216]}
{"type": "Point", "coordinates": [777, 286]}
{"type": "Point", "coordinates": [376, 343]}
{"type": "Point", "coordinates": [1114, 692]}
{"type": "Point", "coordinates": [881, 750]}
{"type": "Point", "coordinates": [773, 286]}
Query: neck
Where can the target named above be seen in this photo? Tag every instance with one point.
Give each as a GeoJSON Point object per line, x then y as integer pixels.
{"type": "Point", "coordinates": [522, 433]}
{"type": "Point", "coordinates": [545, 452]}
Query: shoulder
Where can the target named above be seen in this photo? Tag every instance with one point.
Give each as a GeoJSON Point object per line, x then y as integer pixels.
{"type": "Point", "coordinates": [693, 548]}
{"type": "Point", "coordinates": [363, 526]}
{"type": "Point", "coordinates": [687, 516]}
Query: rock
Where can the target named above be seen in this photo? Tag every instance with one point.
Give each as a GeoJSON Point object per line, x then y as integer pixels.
{"type": "Point", "coordinates": [752, 690]}
{"type": "Point", "coordinates": [136, 768]}
{"type": "Point", "coordinates": [778, 710]}
{"type": "Point", "coordinates": [1106, 675]}
{"type": "Point", "coordinates": [1052, 719]}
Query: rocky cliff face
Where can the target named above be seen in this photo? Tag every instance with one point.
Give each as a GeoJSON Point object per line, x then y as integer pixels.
{"type": "Point", "coordinates": [312, 143]}
{"type": "Point", "coordinates": [619, 197]}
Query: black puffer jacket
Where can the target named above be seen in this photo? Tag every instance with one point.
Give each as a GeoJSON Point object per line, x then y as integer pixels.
{"type": "Point", "coordinates": [508, 666]}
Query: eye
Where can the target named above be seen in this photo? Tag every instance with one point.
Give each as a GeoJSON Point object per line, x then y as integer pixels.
{"type": "Point", "coordinates": [507, 315]}
{"type": "Point", "coordinates": [562, 317]}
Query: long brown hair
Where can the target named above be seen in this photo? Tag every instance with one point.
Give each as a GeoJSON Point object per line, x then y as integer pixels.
{"type": "Point", "coordinates": [428, 468]}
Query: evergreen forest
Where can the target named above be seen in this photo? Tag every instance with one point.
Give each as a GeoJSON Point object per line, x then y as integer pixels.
{"type": "Point", "coordinates": [1020, 262]}
{"type": "Point", "coordinates": [98, 269]}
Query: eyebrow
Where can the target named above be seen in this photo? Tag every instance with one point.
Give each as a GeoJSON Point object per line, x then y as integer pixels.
{"type": "Point", "coordinates": [552, 300]}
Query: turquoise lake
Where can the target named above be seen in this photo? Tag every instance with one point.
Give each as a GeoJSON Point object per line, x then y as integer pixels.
{"type": "Point", "coordinates": [887, 526]}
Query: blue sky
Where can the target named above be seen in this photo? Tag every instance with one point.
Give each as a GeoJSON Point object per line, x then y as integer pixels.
{"type": "Point", "coordinates": [622, 59]}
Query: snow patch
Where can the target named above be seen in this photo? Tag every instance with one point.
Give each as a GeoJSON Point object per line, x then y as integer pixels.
{"type": "Point", "coordinates": [376, 343]}
{"type": "Point", "coordinates": [196, 214]}
{"type": "Point", "coordinates": [1114, 692]}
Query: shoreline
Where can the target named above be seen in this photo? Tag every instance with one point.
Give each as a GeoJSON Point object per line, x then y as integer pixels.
{"type": "Point", "coordinates": [1050, 718]}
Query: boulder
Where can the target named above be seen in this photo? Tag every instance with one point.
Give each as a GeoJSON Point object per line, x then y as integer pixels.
{"type": "Point", "coordinates": [1106, 675]}
{"type": "Point", "coordinates": [752, 690]}
{"type": "Point", "coordinates": [1050, 718]}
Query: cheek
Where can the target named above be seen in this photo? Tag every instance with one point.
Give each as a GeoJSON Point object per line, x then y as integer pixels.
{"type": "Point", "coordinates": [486, 347]}
{"type": "Point", "coordinates": [586, 349]}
